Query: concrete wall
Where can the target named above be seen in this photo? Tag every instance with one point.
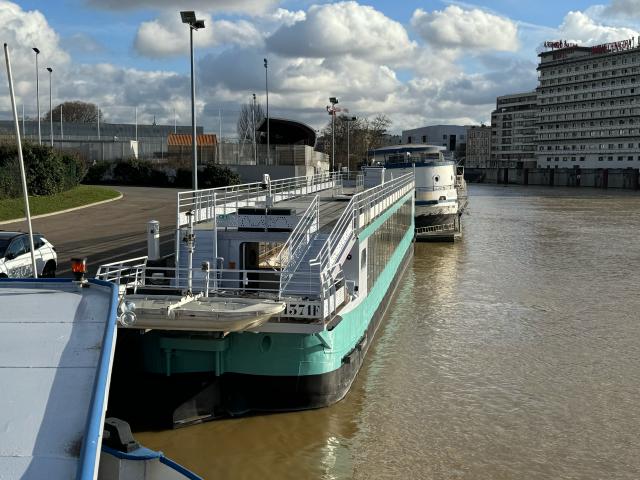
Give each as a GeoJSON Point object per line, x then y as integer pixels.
{"type": "Point", "coordinates": [627, 178]}
{"type": "Point", "coordinates": [253, 173]}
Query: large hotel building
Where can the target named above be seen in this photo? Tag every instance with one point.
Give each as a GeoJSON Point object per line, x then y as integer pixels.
{"type": "Point", "coordinates": [585, 112]}
{"type": "Point", "coordinates": [589, 106]}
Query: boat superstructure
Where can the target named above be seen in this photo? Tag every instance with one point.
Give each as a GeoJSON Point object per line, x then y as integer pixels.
{"type": "Point", "coordinates": [440, 196]}
{"type": "Point", "coordinates": [275, 294]}
{"type": "Point", "coordinates": [57, 341]}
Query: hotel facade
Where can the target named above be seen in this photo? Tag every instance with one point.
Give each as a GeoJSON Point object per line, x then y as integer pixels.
{"type": "Point", "coordinates": [588, 106]}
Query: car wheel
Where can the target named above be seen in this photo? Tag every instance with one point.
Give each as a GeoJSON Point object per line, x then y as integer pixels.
{"type": "Point", "coordinates": [49, 270]}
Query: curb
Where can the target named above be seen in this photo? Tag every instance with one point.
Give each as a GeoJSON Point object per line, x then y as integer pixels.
{"type": "Point", "coordinates": [51, 214]}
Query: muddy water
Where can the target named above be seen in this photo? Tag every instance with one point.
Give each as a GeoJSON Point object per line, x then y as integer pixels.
{"type": "Point", "coordinates": [512, 354]}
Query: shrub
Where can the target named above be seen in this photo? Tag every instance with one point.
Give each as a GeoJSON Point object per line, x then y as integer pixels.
{"type": "Point", "coordinates": [183, 178]}
{"type": "Point", "coordinates": [47, 171]}
{"type": "Point", "coordinates": [97, 172]}
{"type": "Point", "coordinates": [214, 175]}
{"type": "Point", "coordinates": [132, 172]}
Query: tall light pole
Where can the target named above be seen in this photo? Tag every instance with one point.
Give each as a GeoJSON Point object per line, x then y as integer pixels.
{"type": "Point", "coordinates": [332, 112]}
{"type": "Point", "coordinates": [349, 120]}
{"type": "Point", "coordinates": [253, 119]}
{"type": "Point", "coordinates": [190, 19]}
{"type": "Point", "coordinates": [38, 95]}
{"type": "Point", "coordinates": [266, 87]}
{"type": "Point", "coordinates": [50, 70]}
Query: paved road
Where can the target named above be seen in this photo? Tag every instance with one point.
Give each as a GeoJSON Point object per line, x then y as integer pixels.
{"type": "Point", "coordinates": [110, 231]}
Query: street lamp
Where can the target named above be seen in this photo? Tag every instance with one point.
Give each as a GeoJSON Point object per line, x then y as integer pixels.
{"type": "Point", "coordinates": [190, 19]}
{"type": "Point", "coordinates": [332, 112]}
{"type": "Point", "coordinates": [38, 95]}
{"type": "Point", "coordinates": [50, 70]}
{"type": "Point", "coordinates": [253, 121]}
{"type": "Point", "coordinates": [266, 87]}
{"type": "Point", "coordinates": [348, 120]}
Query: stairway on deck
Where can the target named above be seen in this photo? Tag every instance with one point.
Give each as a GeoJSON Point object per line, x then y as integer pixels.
{"type": "Point", "coordinates": [305, 279]}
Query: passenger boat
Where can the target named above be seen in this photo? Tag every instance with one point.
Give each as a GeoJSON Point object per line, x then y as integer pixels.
{"type": "Point", "coordinates": [440, 197]}
{"type": "Point", "coordinates": [308, 263]}
{"type": "Point", "coordinates": [57, 340]}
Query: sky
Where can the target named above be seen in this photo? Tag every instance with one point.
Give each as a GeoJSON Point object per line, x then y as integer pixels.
{"type": "Point", "coordinates": [418, 62]}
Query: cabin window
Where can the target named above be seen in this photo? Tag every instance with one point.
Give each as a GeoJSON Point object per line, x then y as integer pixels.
{"type": "Point", "coordinates": [363, 258]}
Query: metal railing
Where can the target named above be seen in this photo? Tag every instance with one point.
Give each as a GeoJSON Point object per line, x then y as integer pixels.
{"type": "Point", "coordinates": [363, 208]}
{"type": "Point", "coordinates": [208, 203]}
{"type": "Point", "coordinates": [296, 245]}
{"type": "Point", "coordinates": [131, 273]}
{"type": "Point", "coordinates": [445, 227]}
{"type": "Point", "coordinates": [324, 279]}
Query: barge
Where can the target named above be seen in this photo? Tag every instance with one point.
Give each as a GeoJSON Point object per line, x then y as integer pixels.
{"type": "Point", "coordinates": [274, 298]}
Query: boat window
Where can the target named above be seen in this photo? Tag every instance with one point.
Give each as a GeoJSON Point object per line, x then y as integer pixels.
{"type": "Point", "coordinates": [436, 178]}
{"type": "Point", "coordinates": [269, 254]}
{"type": "Point", "coordinates": [363, 258]}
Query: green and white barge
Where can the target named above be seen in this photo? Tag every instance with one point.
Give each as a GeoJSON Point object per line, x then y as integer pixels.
{"type": "Point", "coordinates": [275, 296]}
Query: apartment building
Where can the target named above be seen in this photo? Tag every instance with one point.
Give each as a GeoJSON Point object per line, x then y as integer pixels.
{"type": "Point", "coordinates": [478, 150]}
{"type": "Point", "coordinates": [513, 131]}
{"type": "Point", "coordinates": [589, 106]}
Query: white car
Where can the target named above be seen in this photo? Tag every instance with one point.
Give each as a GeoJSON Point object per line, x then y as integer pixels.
{"type": "Point", "coordinates": [15, 255]}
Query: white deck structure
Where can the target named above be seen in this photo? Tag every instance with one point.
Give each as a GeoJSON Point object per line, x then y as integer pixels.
{"type": "Point", "coordinates": [56, 352]}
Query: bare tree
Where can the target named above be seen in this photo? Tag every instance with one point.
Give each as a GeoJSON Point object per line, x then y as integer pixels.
{"type": "Point", "coordinates": [364, 135]}
{"type": "Point", "coordinates": [75, 112]}
{"type": "Point", "coordinates": [245, 126]}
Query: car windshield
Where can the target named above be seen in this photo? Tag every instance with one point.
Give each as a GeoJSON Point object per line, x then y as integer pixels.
{"type": "Point", "coordinates": [4, 243]}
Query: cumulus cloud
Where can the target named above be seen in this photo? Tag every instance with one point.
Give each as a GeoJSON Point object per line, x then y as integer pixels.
{"type": "Point", "coordinates": [455, 27]}
{"type": "Point", "coordinates": [623, 8]}
{"type": "Point", "coordinates": [23, 30]}
{"type": "Point", "coordinates": [287, 17]}
{"type": "Point", "coordinates": [345, 28]}
{"type": "Point", "coordinates": [579, 27]}
{"type": "Point", "coordinates": [252, 7]}
{"type": "Point", "coordinates": [168, 36]}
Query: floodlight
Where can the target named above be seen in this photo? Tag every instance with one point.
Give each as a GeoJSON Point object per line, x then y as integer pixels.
{"type": "Point", "coordinates": [188, 17]}
{"type": "Point", "coordinates": [333, 100]}
{"type": "Point", "coordinates": [49, 69]}
{"type": "Point", "coordinates": [198, 24]}
{"type": "Point", "coordinates": [36, 50]}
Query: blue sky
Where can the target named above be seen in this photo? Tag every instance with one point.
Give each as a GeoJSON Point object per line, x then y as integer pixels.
{"type": "Point", "coordinates": [419, 62]}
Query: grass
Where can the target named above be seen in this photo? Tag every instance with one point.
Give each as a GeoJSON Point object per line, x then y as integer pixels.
{"type": "Point", "coordinates": [13, 208]}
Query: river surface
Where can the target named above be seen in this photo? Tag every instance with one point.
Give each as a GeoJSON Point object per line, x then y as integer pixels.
{"type": "Point", "coordinates": [513, 354]}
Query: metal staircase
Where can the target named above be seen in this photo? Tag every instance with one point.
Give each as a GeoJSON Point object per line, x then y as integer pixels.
{"type": "Point", "coordinates": [304, 279]}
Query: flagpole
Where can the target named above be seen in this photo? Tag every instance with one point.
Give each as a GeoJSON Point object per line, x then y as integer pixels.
{"type": "Point", "coordinates": [20, 159]}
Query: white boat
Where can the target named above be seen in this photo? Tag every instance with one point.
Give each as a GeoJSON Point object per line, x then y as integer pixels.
{"type": "Point", "coordinates": [438, 206]}
{"type": "Point", "coordinates": [57, 341]}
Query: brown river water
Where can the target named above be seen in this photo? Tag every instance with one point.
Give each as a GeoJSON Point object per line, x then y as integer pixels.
{"type": "Point", "coordinates": [513, 354]}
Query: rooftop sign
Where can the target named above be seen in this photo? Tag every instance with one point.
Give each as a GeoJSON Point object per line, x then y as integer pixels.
{"type": "Point", "coordinates": [620, 46]}
{"type": "Point", "coordinates": [556, 44]}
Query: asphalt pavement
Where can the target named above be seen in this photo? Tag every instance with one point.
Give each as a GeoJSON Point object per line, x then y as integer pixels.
{"type": "Point", "coordinates": [111, 231]}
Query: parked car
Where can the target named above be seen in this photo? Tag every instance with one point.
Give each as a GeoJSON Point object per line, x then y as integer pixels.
{"type": "Point", "coordinates": [15, 255]}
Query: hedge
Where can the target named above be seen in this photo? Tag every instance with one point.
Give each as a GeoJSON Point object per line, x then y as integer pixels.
{"type": "Point", "coordinates": [137, 172]}
{"type": "Point", "coordinates": [48, 171]}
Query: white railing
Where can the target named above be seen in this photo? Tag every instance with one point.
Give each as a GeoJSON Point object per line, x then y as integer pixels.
{"type": "Point", "coordinates": [296, 245]}
{"type": "Point", "coordinates": [363, 208]}
{"type": "Point", "coordinates": [131, 273]}
{"type": "Point", "coordinates": [323, 279]}
{"type": "Point", "coordinates": [445, 227]}
{"type": "Point", "coordinates": [206, 204]}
